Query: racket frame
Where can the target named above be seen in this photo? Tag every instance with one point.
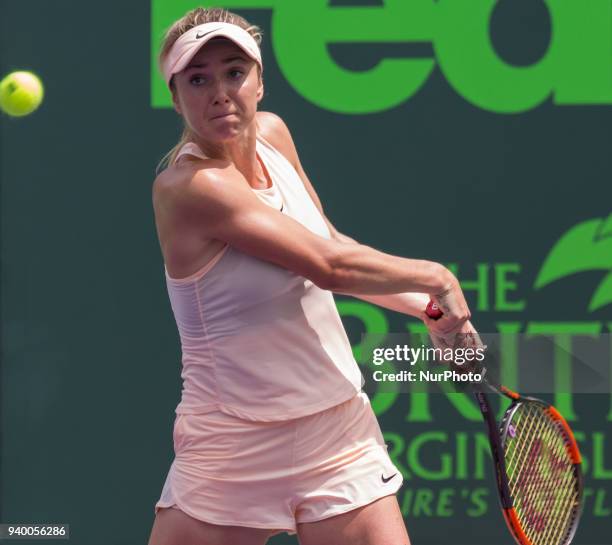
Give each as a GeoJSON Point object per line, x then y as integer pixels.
{"type": "Point", "coordinates": [498, 437]}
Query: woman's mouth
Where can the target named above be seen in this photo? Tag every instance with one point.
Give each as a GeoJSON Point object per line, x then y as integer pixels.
{"type": "Point", "coordinates": [223, 115]}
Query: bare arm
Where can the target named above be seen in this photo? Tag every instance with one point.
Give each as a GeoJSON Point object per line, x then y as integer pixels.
{"type": "Point", "coordinates": [223, 206]}
{"type": "Point", "coordinates": [411, 303]}
{"type": "Point", "coordinates": [275, 130]}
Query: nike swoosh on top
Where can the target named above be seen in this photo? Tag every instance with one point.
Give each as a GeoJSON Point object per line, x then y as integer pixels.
{"type": "Point", "coordinates": [387, 479]}
{"type": "Point", "coordinates": [199, 36]}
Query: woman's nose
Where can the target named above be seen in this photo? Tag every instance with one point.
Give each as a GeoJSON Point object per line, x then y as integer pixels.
{"type": "Point", "coordinates": [219, 91]}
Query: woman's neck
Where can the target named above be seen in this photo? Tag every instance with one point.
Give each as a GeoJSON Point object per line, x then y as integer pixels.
{"type": "Point", "coordinates": [241, 152]}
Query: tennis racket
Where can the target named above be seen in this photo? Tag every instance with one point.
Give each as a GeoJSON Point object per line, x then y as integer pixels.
{"type": "Point", "coordinates": [537, 465]}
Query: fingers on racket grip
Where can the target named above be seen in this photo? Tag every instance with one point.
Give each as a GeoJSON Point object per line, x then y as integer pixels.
{"type": "Point", "coordinates": [433, 311]}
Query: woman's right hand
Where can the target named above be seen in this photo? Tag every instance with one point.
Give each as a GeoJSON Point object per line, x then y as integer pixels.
{"type": "Point", "coordinates": [454, 307]}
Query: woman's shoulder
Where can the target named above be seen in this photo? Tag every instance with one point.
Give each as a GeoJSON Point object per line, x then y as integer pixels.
{"type": "Point", "coordinates": [269, 121]}
{"type": "Point", "coordinates": [274, 130]}
{"type": "Point", "coordinates": [178, 177]}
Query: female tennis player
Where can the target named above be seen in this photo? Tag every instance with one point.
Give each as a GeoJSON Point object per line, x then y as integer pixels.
{"type": "Point", "coordinates": [273, 433]}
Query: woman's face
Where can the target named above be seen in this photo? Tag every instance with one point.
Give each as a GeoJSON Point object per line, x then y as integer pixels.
{"type": "Point", "coordinates": [218, 92]}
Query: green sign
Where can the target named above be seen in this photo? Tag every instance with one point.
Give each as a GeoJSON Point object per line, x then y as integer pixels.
{"type": "Point", "coordinates": [458, 459]}
{"type": "Point", "coordinates": [576, 68]}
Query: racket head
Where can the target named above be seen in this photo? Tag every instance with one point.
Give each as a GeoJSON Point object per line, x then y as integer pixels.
{"type": "Point", "coordinates": [543, 468]}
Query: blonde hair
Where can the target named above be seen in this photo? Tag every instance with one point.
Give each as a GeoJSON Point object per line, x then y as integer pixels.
{"type": "Point", "coordinates": [193, 18]}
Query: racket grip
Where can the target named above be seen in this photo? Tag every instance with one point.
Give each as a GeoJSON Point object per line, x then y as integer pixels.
{"type": "Point", "coordinates": [433, 311]}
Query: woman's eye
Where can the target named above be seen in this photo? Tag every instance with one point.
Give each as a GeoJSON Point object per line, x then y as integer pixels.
{"type": "Point", "coordinates": [235, 73]}
{"type": "Point", "coordinates": [197, 80]}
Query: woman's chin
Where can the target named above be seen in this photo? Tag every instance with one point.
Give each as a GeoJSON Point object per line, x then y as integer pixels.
{"type": "Point", "coordinates": [226, 133]}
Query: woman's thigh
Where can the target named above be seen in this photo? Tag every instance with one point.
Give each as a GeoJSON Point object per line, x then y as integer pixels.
{"type": "Point", "coordinates": [173, 527]}
{"type": "Point", "coordinates": [378, 523]}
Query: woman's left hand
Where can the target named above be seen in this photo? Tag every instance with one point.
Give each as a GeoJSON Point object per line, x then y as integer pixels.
{"type": "Point", "coordinates": [465, 337]}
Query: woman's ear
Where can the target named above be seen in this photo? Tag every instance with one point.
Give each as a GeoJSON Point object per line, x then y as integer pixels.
{"type": "Point", "coordinates": [260, 89]}
{"type": "Point", "coordinates": [175, 102]}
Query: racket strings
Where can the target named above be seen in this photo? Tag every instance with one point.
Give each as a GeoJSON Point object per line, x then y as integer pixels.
{"type": "Point", "coordinates": [564, 499]}
{"type": "Point", "coordinates": [539, 489]}
{"type": "Point", "coordinates": [541, 476]}
{"type": "Point", "coordinates": [516, 461]}
{"type": "Point", "coordinates": [528, 476]}
{"type": "Point", "coordinates": [527, 484]}
{"type": "Point", "coordinates": [544, 502]}
{"type": "Point", "coordinates": [559, 503]}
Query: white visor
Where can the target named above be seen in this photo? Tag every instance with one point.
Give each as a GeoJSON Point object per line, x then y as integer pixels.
{"type": "Point", "coordinates": [189, 43]}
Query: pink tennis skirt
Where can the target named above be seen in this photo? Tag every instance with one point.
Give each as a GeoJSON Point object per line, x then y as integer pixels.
{"type": "Point", "coordinates": [275, 475]}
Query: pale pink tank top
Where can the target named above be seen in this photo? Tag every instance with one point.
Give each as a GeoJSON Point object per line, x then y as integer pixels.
{"type": "Point", "coordinates": [258, 341]}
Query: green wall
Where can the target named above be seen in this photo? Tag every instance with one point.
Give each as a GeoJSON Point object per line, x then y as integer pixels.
{"type": "Point", "coordinates": [496, 116]}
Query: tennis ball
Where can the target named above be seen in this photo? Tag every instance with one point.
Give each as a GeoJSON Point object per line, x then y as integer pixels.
{"type": "Point", "coordinates": [20, 93]}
